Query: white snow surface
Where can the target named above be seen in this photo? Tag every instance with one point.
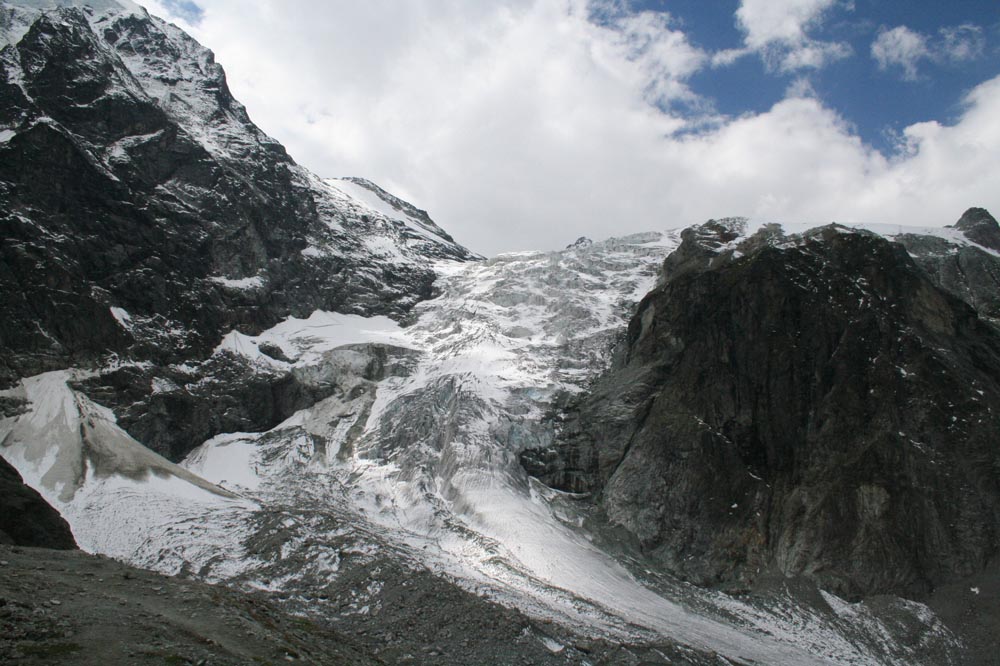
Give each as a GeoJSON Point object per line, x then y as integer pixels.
{"type": "Point", "coordinates": [308, 339]}
{"type": "Point", "coordinates": [375, 203]}
{"type": "Point", "coordinates": [362, 201]}
{"type": "Point", "coordinates": [255, 282]}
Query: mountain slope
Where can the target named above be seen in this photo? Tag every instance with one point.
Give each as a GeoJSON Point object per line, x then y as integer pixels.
{"type": "Point", "coordinates": [144, 217]}
{"type": "Point", "coordinates": [77, 609]}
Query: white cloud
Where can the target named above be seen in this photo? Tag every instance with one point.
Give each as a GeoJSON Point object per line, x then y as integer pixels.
{"type": "Point", "coordinates": [779, 30]}
{"type": "Point", "coordinates": [900, 46]}
{"type": "Point", "coordinates": [961, 43]}
{"type": "Point", "coordinates": [800, 87]}
{"type": "Point", "coordinates": [785, 21]}
{"type": "Point", "coordinates": [664, 55]}
{"type": "Point", "coordinates": [521, 124]}
{"type": "Point", "coordinates": [906, 48]}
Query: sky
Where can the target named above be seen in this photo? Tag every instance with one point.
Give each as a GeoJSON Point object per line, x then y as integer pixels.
{"type": "Point", "coordinates": [525, 124]}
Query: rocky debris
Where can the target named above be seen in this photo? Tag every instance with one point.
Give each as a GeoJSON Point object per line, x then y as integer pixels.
{"type": "Point", "coordinates": [26, 519]}
{"type": "Point", "coordinates": [93, 610]}
{"type": "Point", "coordinates": [413, 616]}
{"type": "Point", "coordinates": [97, 611]}
{"type": "Point", "coordinates": [809, 406]}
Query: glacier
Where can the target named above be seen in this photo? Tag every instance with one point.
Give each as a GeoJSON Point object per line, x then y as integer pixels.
{"type": "Point", "coordinates": [416, 453]}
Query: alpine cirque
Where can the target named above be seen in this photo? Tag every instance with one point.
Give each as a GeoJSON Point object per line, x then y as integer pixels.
{"type": "Point", "coordinates": [735, 443]}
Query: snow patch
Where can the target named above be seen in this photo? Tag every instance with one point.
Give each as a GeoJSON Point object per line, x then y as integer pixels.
{"type": "Point", "coordinates": [324, 331]}
{"type": "Point", "coordinates": [123, 318]}
{"type": "Point", "coordinates": [228, 460]}
{"type": "Point", "coordinates": [255, 282]}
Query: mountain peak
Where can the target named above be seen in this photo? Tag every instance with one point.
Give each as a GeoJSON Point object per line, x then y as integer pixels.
{"type": "Point", "coordinates": [979, 226]}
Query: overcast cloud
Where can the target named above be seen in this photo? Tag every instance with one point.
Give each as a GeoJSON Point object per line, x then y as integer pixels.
{"type": "Point", "coordinates": [523, 124]}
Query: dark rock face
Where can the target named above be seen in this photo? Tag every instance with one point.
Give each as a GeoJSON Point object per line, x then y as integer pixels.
{"type": "Point", "coordinates": [134, 180]}
{"type": "Point", "coordinates": [226, 393]}
{"type": "Point", "coordinates": [972, 273]}
{"type": "Point", "coordinates": [143, 216]}
{"type": "Point", "coordinates": [979, 226]}
{"type": "Point", "coordinates": [813, 406]}
{"type": "Point", "coordinates": [26, 519]}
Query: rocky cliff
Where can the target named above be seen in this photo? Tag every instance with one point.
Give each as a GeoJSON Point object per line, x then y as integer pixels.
{"type": "Point", "coordinates": [819, 405]}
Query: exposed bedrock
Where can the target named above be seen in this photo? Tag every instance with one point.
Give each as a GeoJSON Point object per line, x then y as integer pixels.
{"type": "Point", "coordinates": [810, 405]}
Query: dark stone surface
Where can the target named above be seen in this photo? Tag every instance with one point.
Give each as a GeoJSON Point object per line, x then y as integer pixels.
{"type": "Point", "coordinates": [816, 408]}
{"type": "Point", "coordinates": [26, 519]}
{"type": "Point", "coordinates": [107, 199]}
{"type": "Point", "coordinates": [227, 393]}
{"type": "Point", "coordinates": [979, 226]}
{"type": "Point", "coordinates": [73, 609]}
{"type": "Point", "coordinates": [967, 271]}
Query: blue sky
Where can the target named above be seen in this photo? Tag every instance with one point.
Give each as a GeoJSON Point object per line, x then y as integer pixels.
{"type": "Point", "coordinates": [524, 124]}
{"type": "Point", "coordinates": [880, 102]}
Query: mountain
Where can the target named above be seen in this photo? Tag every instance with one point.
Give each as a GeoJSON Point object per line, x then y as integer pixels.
{"type": "Point", "coordinates": [815, 405]}
{"type": "Point", "coordinates": [220, 367]}
{"type": "Point", "coordinates": [145, 216]}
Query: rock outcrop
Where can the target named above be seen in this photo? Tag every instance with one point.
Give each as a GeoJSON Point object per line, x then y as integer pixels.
{"type": "Point", "coordinates": [811, 405]}
{"type": "Point", "coordinates": [26, 519]}
{"type": "Point", "coordinates": [969, 270]}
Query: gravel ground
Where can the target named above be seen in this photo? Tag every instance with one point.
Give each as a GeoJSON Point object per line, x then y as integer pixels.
{"type": "Point", "coordinates": [971, 608]}
{"type": "Point", "coordinates": [67, 607]}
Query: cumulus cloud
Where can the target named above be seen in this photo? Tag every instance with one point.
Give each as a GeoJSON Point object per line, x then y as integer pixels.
{"type": "Point", "coordinates": [905, 48]}
{"type": "Point", "coordinates": [769, 21]}
{"type": "Point", "coordinates": [524, 124]}
{"type": "Point", "coordinates": [900, 46]}
{"type": "Point", "coordinates": [779, 31]}
{"type": "Point", "coordinates": [664, 56]}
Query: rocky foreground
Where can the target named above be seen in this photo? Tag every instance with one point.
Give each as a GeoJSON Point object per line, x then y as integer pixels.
{"type": "Point", "coordinates": [68, 607]}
